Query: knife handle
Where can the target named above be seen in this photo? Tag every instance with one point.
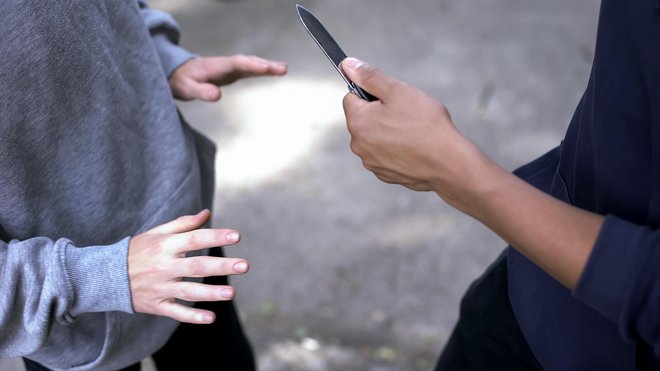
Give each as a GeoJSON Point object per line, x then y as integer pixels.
{"type": "Point", "coordinates": [353, 88]}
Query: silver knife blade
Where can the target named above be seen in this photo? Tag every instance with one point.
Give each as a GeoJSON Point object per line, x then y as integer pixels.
{"type": "Point", "coordinates": [330, 48]}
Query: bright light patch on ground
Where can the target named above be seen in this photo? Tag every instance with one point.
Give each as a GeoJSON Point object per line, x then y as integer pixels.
{"type": "Point", "coordinates": [278, 124]}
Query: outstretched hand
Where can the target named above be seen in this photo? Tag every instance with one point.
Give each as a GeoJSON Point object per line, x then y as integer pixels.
{"type": "Point", "coordinates": [157, 264]}
{"type": "Point", "coordinates": [200, 78]}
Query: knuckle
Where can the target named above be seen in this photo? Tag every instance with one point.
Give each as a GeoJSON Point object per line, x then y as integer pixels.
{"type": "Point", "coordinates": [356, 125]}
{"type": "Point", "coordinates": [445, 111]}
{"type": "Point", "coordinates": [371, 167]}
{"type": "Point", "coordinates": [191, 239]}
{"type": "Point", "coordinates": [169, 246]}
{"type": "Point", "coordinates": [218, 237]}
{"type": "Point", "coordinates": [158, 244]}
{"type": "Point", "coordinates": [226, 266]}
{"type": "Point", "coordinates": [195, 267]}
{"type": "Point", "coordinates": [161, 269]}
{"type": "Point", "coordinates": [370, 74]}
{"type": "Point", "coordinates": [355, 147]}
{"type": "Point", "coordinates": [184, 291]}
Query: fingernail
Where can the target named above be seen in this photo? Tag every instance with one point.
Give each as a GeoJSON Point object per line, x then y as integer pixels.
{"type": "Point", "coordinates": [207, 318]}
{"type": "Point", "coordinates": [232, 236]}
{"type": "Point", "coordinates": [227, 293]}
{"type": "Point", "coordinates": [353, 63]}
{"type": "Point", "coordinates": [241, 267]}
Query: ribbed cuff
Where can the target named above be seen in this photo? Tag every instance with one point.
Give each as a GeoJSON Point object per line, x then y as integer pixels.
{"type": "Point", "coordinates": [99, 278]}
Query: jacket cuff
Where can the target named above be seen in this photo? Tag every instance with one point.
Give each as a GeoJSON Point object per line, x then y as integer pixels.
{"type": "Point", "coordinates": [171, 55]}
{"type": "Point", "coordinates": [615, 260]}
{"type": "Point", "coordinates": [98, 276]}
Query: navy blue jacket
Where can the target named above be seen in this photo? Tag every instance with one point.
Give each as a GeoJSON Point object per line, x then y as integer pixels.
{"type": "Point", "coordinates": [608, 163]}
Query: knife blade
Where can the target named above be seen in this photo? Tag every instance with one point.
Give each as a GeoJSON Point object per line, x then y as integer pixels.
{"type": "Point", "coordinates": [330, 48]}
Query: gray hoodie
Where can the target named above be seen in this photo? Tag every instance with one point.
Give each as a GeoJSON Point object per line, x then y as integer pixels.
{"type": "Point", "coordinates": [92, 151]}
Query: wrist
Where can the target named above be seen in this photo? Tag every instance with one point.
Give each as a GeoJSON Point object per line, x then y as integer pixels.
{"type": "Point", "coordinates": [476, 185]}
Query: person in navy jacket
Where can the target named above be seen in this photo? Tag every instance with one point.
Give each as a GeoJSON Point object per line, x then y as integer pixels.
{"type": "Point", "coordinates": [579, 288]}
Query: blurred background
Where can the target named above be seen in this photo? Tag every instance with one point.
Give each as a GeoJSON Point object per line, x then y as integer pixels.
{"type": "Point", "coordinates": [348, 273]}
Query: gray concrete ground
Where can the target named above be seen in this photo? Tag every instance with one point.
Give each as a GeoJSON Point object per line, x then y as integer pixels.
{"type": "Point", "coordinates": [349, 273]}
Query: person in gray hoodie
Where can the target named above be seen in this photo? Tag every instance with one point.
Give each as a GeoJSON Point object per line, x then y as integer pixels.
{"type": "Point", "coordinates": [105, 192]}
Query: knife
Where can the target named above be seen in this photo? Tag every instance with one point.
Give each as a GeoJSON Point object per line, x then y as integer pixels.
{"type": "Point", "coordinates": [330, 48]}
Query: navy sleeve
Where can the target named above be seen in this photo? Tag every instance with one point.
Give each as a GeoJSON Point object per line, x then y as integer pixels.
{"type": "Point", "coordinates": [622, 279]}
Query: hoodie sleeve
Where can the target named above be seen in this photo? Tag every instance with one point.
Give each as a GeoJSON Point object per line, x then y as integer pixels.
{"type": "Point", "coordinates": [622, 279]}
{"type": "Point", "coordinates": [165, 35]}
{"type": "Point", "coordinates": [44, 281]}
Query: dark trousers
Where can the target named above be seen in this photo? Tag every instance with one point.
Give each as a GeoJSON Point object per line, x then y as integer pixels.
{"type": "Point", "coordinates": [486, 336]}
{"type": "Point", "coordinates": [219, 346]}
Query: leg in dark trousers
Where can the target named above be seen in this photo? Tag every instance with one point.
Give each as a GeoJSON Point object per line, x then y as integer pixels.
{"type": "Point", "coordinates": [219, 346]}
{"type": "Point", "coordinates": [487, 336]}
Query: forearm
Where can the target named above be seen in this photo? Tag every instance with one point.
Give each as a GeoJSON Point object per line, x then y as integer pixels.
{"type": "Point", "coordinates": [409, 138]}
{"type": "Point", "coordinates": [555, 235]}
{"type": "Point", "coordinates": [44, 282]}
